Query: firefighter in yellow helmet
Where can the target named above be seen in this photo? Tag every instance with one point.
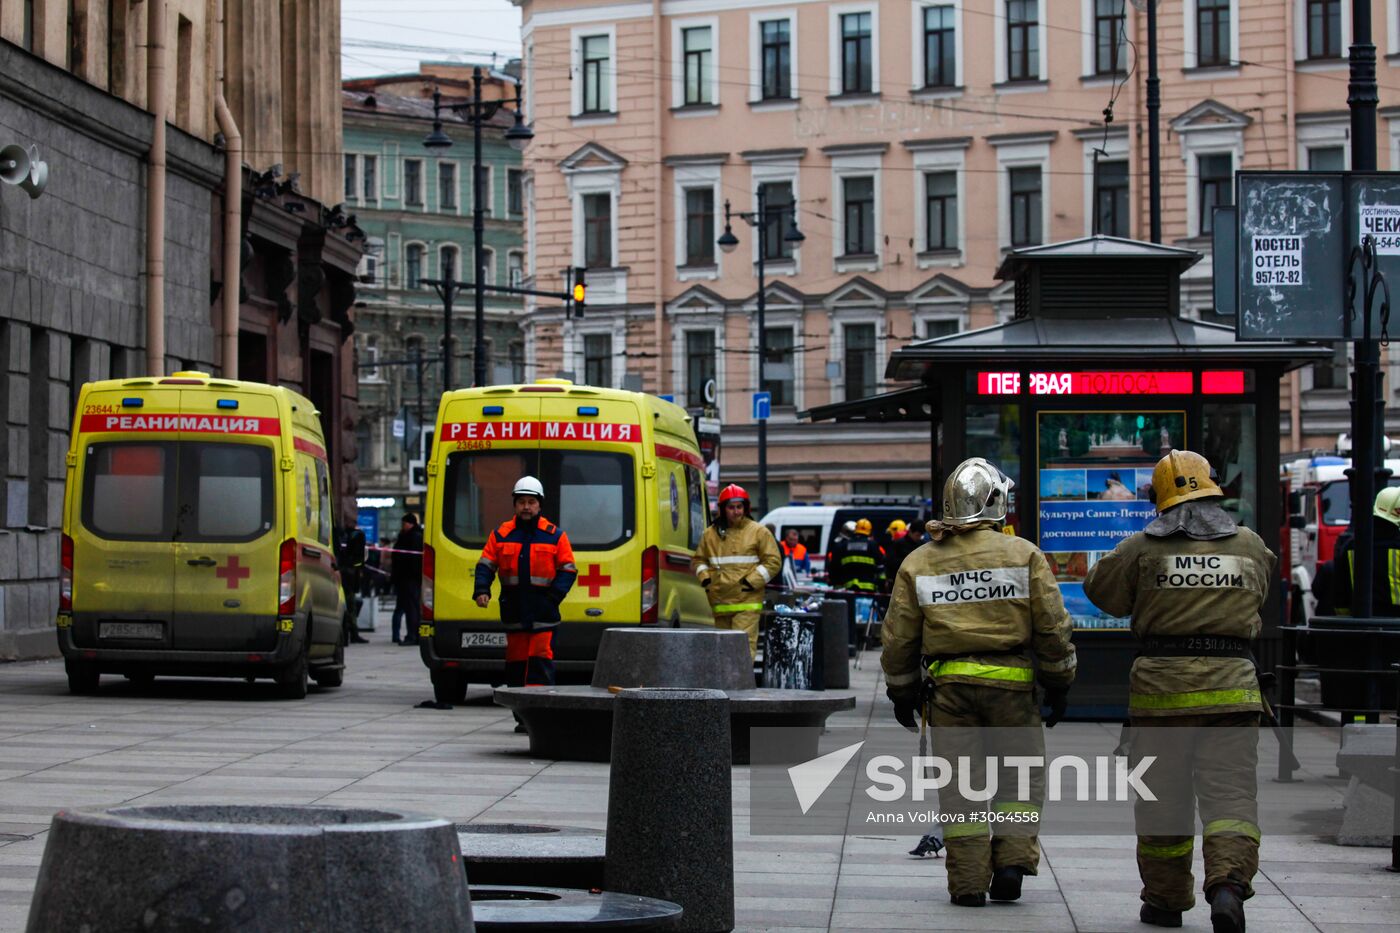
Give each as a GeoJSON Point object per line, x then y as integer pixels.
{"type": "Point", "coordinates": [978, 614]}
{"type": "Point", "coordinates": [1193, 582]}
{"type": "Point", "coordinates": [736, 559]}
{"type": "Point", "coordinates": [1385, 576]}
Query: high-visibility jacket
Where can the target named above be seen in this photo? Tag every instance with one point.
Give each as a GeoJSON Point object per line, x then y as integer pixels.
{"type": "Point", "coordinates": [797, 553]}
{"type": "Point", "coordinates": [536, 566]}
{"type": "Point", "coordinates": [856, 564]}
{"type": "Point", "coordinates": [985, 608]}
{"type": "Point", "coordinates": [738, 565]}
{"type": "Point", "coordinates": [1178, 586]}
{"type": "Point", "coordinates": [1385, 572]}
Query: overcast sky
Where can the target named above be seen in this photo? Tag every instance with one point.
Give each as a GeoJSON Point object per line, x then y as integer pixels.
{"type": "Point", "coordinates": [426, 30]}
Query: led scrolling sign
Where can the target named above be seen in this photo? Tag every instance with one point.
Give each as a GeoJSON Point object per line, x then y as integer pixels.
{"type": "Point", "coordinates": [1117, 382]}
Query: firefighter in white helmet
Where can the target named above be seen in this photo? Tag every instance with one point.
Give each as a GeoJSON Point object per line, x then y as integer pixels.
{"type": "Point", "coordinates": [734, 562]}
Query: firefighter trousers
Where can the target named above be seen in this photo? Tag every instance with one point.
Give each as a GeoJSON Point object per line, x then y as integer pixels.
{"type": "Point", "coordinates": [746, 622]}
{"type": "Point", "coordinates": [1205, 761]}
{"type": "Point", "coordinates": [971, 724]}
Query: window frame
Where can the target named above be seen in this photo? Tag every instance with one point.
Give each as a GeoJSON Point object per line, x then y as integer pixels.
{"type": "Point", "coordinates": [1030, 33]}
{"type": "Point", "coordinates": [707, 255]}
{"type": "Point", "coordinates": [1221, 14]}
{"type": "Point", "coordinates": [1226, 184]}
{"type": "Point", "coordinates": [421, 201]}
{"type": "Point", "coordinates": [515, 192]}
{"type": "Point", "coordinates": [780, 86]}
{"type": "Point", "coordinates": [369, 178]}
{"type": "Point", "coordinates": [952, 31]}
{"type": "Point", "coordinates": [698, 67]}
{"type": "Point", "coordinates": [1341, 35]}
{"type": "Point", "coordinates": [1038, 204]}
{"type": "Point", "coordinates": [694, 395]}
{"type": "Point", "coordinates": [865, 219]}
{"type": "Point", "coordinates": [943, 247]}
{"type": "Point", "coordinates": [586, 361]}
{"type": "Point", "coordinates": [863, 59]}
{"type": "Point", "coordinates": [874, 349]}
{"type": "Point", "coordinates": [590, 232]}
{"type": "Point", "coordinates": [596, 75]}
{"type": "Point", "coordinates": [1126, 196]}
{"type": "Point", "coordinates": [792, 351]}
{"type": "Point", "coordinates": [449, 167]}
{"type": "Point", "coordinates": [757, 100]}
{"type": "Point", "coordinates": [414, 282]}
{"type": "Point", "coordinates": [1117, 47]}
{"type": "Point", "coordinates": [351, 177]}
{"type": "Point", "coordinates": [1191, 58]}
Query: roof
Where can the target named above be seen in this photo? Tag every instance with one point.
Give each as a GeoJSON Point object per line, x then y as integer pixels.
{"type": "Point", "coordinates": [912, 404]}
{"type": "Point", "coordinates": [1139, 340]}
{"type": "Point", "coordinates": [411, 108]}
{"type": "Point", "coordinates": [1096, 247]}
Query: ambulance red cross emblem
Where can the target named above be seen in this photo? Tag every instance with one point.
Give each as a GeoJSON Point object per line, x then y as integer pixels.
{"type": "Point", "coordinates": [234, 572]}
{"type": "Point", "coordinates": [595, 580]}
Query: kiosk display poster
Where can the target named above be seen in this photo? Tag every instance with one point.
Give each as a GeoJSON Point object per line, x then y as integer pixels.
{"type": "Point", "coordinates": [1094, 478]}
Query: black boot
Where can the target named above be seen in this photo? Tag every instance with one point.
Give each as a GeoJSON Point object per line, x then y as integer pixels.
{"type": "Point", "coordinates": [1159, 916]}
{"type": "Point", "coordinates": [1006, 883]}
{"type": "Point", "coordinates": [1226, 908]}
{"type": "Point", "coordinates": [969, 900]}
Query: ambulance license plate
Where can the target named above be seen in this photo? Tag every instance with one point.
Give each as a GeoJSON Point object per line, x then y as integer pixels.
{"type": "Point", "coordinates": [483, 639]}
{"type": "Point", "coordinates": [148, 630]}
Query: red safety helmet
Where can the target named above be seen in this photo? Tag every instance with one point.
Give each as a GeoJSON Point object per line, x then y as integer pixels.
{"type": "Point", "coordinates": [734, 491]}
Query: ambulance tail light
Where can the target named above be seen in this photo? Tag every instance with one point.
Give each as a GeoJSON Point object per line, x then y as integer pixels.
{"type": "Point", "coordinates": [651, 573]}
{"type": "Point", "coordinates": [65, 575]}
{"type": "Point", "coordinates": [287, 578]}
{"type": "Point", "coordinates": [429, 571]}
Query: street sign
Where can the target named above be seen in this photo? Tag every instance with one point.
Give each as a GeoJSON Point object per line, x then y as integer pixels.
{"type": "Point", "coordinates": [762, 405]}
{"type": "Point", "coordinates": [398, 429]}
{"type": "Point", "coordinates": [669, 398]}
{"type": "Point", "coordinates": [1292, 253]}
{"type": "Point", "coordinates": [1375, 200]}
{"type": "Point", "coordinates": [367, 520]}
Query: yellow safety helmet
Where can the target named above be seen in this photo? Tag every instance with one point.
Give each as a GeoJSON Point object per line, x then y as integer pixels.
{"type": "Point", "coordinates": [898, 524]}
{"type": "Point", "coordinates": [1181, 476]}
{"type": "Point", "coordinates": [1388, 505]}
{"type": "Point", "coordinates": [863, 527]}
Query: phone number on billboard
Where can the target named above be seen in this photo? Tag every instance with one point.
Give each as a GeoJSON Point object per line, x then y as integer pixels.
{"type": "Point", "coordinates": [1278, 277]}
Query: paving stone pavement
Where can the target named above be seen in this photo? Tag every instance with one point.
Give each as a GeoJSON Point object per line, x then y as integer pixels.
{"type": "Point", "coordinates": [366, 745]}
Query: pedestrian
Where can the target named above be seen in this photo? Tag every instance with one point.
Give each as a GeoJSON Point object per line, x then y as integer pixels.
{"type": "Point", "coordinates": [912, 539]}
{"type": "Point", "coordinates": [1385, 564]}
{"type": "Point", "coordinates": [896, 529]}
{"type": "Point", "coordinates": [407, 575]}
{"type": "Point", "coordinates": [835, 550]}
{"type": "Point", "coordinates": [736, 559]}
{"type": "Point", "coordinates": [350, 559]}
{"type": "Point", "coordinates": [535, 562]}
{"type": "Point", "coordinates": [1193, 582]}
{"type": "Point", "coordinates": [979, 650]}
{"type": "Point", "coordinates": [863, 560]}
{"type": "Point", "coordinates": [796, 552]}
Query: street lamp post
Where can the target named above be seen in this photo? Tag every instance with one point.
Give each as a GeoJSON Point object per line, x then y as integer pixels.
{"type": "Point", "coordinates": [519, 136]}
{"type": "Point", "coordinates": [729, 242]}
{"type": "Point", "coordinates": [1154, 133]}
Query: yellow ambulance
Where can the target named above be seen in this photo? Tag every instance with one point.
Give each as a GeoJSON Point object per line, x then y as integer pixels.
{"type": "Point", "coordinates": [197, 535]}
{"type": "Point", "coordinates": [623, 478]}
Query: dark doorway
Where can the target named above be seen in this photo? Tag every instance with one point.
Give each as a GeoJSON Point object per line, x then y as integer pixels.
{"type": "Point", "coordinates": [252, 356]}
{"type": "Point", "coordinates": [320, 388]}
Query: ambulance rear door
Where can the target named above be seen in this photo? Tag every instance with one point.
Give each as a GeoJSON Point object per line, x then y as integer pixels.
{"type": "Point", "coordinates": [226, 557]}
{"type": "Point", "coordinates": [123, 519]}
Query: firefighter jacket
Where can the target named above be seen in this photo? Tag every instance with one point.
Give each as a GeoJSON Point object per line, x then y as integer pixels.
{"type": "Point", "coordinates": [980, 607]}
{"type": "Point", "coordinates": [536, 567]}
{"type": "Point", "coordinates": [856, 564]}
{"type": "Point", "coordinates": [736, 566]}
{"type": "Point", "coordinates": [1385, 573]}
{"type": "Point", "coordinates": [1181, 591]}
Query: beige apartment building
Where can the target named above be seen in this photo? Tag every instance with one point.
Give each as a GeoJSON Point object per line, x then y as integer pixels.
{"type": "Point", "coordinates": [916, 141]}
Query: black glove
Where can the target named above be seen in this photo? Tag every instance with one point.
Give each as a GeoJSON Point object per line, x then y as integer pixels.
{"type": "Point", "coordinates": [906, 706]}
{"type": "Point", "coordinates": [705, 583]}
{"type": "Point", "coordinates": [746, 586]}
{"type": "Point", "coordinates": [1057, 698]}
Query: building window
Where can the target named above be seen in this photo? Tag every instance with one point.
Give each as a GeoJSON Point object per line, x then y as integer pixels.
{"type": "Point", "coordinates": [1217, 186]}
{"type": "Point", "coordinates": [700, 226]}
{"type": "Point", "coordinates": [1327, 159]}
{"type": "Point", "coordinates": [778, 205]}
{"type": "Point", "coordinates": [699, 365]}
{"type": "Point", "coordinates": [1111, 183]}
{"type": "Point", "coordinates": [940, 53]}
{"type": "Point", "coordinates": [450, 262]}
{"type": "Point", "coordinates": [776, 36]}
{"type": "Point", "coordinates": [515, 269]}
{"type": "Point", "coordinates": [369, 356]}
{"type": "Point", "coordinates": [369, 262]}
{"type": "Point", "coordinates": [856, 77]}
{"type": "Point", "coordinates": [941, 210]}
{"type": "Point", "coordinates": [698, 45]}
{"type": "Point", "coordinates": [413, 266]}
{"type": "Point", "coordinates": [364, 445]}
{"type": "Point", "coordinates": [1332, 374]}
{"type": "Point", "coordinates": [940, 327]}
{"type": "Point", "coordinates": [1022, 40]}
{"type": "Point", "coordinates": [1025, 206]}
{"type": "Point", "coordinates": [860, 360]}
{"type": "Point", "coordinates": [370, 164]}
{"type": "Point", "coordinates": [516, 352]}
{"type": "Point", "coordinates": [597, 360]}
{"type": "Point", "coordinates": [778, 369]}
{"type": "Point", "coordinates": [597, 93]}
{"type": "Point", "coordinates": [184, 60]}
{"type": "Point", "coordinates": [1324, 28]}
{"type": "Point", "coordinates": [515, 191]}
{"type": "Point", "coordinates": [447, 186]}
{"type": "Point", "coordinates": [1109, 19]}
{"type": "Point", "coordinates": [1212, 32]}
{"type": "Point", "coordinates": [351, 187]}
{"type": "Point", "coordinates": [413, 181]}
{"type": "Point", "coordinates": [597, 231]}
{"type": "Point", "coordinates": [858, 196]}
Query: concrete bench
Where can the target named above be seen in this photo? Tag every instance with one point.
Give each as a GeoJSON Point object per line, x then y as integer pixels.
{"type": "Point", "coordinates": [1367, 755]}
{"type": "Point", "coordinates": [575, 723]}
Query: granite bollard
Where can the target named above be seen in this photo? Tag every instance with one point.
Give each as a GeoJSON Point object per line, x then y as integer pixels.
{"type": "Point", "coordinates": [715, 659]}
{"type": "Point", "coordinates": [835, 660]}
{"type": "Point", "coordinates": [250, 868]}
{"type": "Point", "coordinates": [531, 854]}
{"type": "Point", "coordinates": [670, 824]}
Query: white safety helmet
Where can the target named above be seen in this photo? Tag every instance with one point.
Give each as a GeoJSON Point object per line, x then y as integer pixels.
{"type": "Point", "coordinates": [976, 491]}
{"type": "Point", "coordinates": [528, 486]}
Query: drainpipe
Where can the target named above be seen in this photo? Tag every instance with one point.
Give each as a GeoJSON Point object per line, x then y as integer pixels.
{"type": "Point", "coordinates": [155, 189]}
{"type": "Point", "coordinates": [659, 89]}
{"type": "Point", "coordinates": [1290, 133]}
{"type": "Point", "coordinates": [233, 206]}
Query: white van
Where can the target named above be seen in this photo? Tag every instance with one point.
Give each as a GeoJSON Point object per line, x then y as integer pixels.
{"type": "Point", "coordinates": [817, 523]}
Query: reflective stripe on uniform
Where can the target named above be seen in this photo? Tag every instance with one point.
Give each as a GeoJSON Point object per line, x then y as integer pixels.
{"type": "Point", "coordinates": [763, 572]}
{"type": "Point", "coordinates": [1172, 851]}
{"type": "Point", "coordinates": [1059, 667]}
{"type": "Point", "coordinates": [509, 581]}
{"type": "Point", "coordinates": [1394, 556]}
{"type": "Point", "coordinates": [1015, 807]}
{"type": "Point", "coordinates": [899, 680]}
{"type": "Point", "coordinates": [735, 559]}
{"type": "Point", "coordinates": [1193, 699]}
{"type": "Point", "coordinates": [1233, 827]}
{"type": "Point", "coordinates": [568, 568]}
{"type": "Point", "coordinates": [984, 671]}
{"type": "Point", "coordinates": [488, 563]}
{"type": "Point", "coordinates": [542, 581]}
{"type": "Point", "coordinates": [738, 607]}
{"type": "Point", "coordinates": [701, 568]}
{"type": "Point", "coordinates": [860, 585]}
{"type": "Point", "coordinates": [857, 559]}
{"type": "Point", "coordinates": [964, 830]}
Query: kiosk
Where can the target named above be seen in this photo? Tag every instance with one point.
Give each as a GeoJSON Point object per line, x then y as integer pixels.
{"type": "Point", "coordinates": [1098, 375]}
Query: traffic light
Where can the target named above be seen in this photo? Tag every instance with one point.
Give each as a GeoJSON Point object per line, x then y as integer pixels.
{"type": "Point", "coordinates": [578, 291]}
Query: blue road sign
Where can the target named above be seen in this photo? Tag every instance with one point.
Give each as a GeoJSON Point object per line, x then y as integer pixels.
{"type": "Point", "coordinates": [762, 406]}
{"type": "Point", "coordinates": [668, 398]}
{"type": "Point", "coordinates": [368, 521]}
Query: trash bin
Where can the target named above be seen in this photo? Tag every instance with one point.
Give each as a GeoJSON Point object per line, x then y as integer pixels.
{"type": "Point", "coordinates": [789, 650]}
